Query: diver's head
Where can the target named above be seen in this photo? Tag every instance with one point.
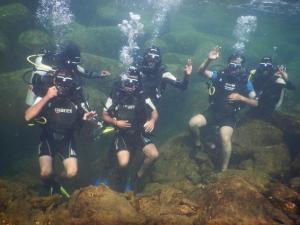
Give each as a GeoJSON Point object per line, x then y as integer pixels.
{"type": "Point", "coordinates": [130, 80]}
{"type": "Point", "coordinates": [64, 85]}
{"type": "Point", "coordinates": [266, 67]}
{"type": "Point", "coordinates": [235, 64]}
{"type": "Point", "coordinates": [70, 56]}
{"type": "Point", "coordinates": [152, 59]}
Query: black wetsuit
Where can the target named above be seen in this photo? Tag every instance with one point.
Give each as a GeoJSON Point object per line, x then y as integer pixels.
{"type": "Point", "coordinates": [63, 116]}
{"type": "Point", "coordinates": [222, 111]}
{"type": "Point", "coordinates": [154, 83]}
{"type": "Point", "coordinates": [132, 107]}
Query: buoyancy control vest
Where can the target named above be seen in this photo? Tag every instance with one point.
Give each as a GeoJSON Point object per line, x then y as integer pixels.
{"type": "Point", "coordinates": [129, 107]}
{"type": "Point", "coordinates": [224, 85]}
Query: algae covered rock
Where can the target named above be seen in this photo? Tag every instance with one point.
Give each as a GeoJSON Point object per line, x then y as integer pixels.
{"type": "Point", "coordinates": [235, 201]}
{"type": "Point", "coordinates": [13, 19]}
{"type": "Point", "coordinates": [103, 206]}
{"type": "Point", "coordinates": [168, 206]}
{"type": "Point", "coordinates": [273, 159]}
{"type": "Point", "coordinates": [110, 14]}
{"type": "Point", "coordinates": [105, 41]}
{"type": "Point", "coordinates": [32, 41]}
{"type": "Point", "coordinates": [174, 163]}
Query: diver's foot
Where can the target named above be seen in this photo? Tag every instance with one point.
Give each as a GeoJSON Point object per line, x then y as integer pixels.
{"type": "Point", "coordinates": [57, 188]}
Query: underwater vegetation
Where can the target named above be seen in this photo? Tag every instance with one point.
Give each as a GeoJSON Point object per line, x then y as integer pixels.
{"type": "Point", "coordinates": [262, 184]}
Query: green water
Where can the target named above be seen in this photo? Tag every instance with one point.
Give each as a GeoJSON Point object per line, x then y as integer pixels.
{"type": "Point", "coordinates": [190, 30]}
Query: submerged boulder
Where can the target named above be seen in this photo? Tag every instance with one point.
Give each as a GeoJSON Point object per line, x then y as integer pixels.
{"type": "Point", "coordinates": [31, 41]}
{"type": "Point", "coordinates": [100, 205]}
{"type": "Point", "coordinates": [105, 41]}
{"type": "Point", "coordinates": [235, 201]}
{"type": "Point", "coordinates": [14, 18]}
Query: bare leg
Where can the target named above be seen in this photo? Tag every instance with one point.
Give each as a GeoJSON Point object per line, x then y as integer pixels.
{"type": "Point", "coordinates": [46, 166]}
{"type": "Point", "coordinates": [123, 158]}
{"type": "Point", "coordinates": [195, 123]}
{"type": "Point", "coordinates": [151, 154]}
{"type": "Point", "coordinates": [71, 168]}
{"type": "Point", "coordinates": [226, 134]}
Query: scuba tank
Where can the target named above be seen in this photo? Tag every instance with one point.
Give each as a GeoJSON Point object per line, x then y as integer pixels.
{"type": "Point", "coordinates": [40, 69]}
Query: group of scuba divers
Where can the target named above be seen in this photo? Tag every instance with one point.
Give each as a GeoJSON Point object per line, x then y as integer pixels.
{"type": "Point", "coordinates": [56, 101]}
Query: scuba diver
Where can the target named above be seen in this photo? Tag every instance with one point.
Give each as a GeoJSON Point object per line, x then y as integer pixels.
{"type": "Point", "coordinates": [60, 113]}
{"type": "Point", "coordinates": [155, 77]}
{"type": "Point", "coordinates": [134, 116]}
{"type": "Point", "coordinates": [48, 64]}
{"type": "Point", "coordinates": [227, 94]}
{"type": "Point", "coordinates": [269, 83]}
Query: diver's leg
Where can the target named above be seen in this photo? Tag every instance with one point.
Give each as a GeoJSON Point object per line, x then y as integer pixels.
{"type": "Point", "coordinates": [123, 158]}
{"type": "Point", "coordinates": [71, 168]}
{"type": "Point", "coordinates": [151, 154]}
{"type": "Point", "coordinates": [46, 166]}
{"type": "Point", "coordinates": [195, 123]}
{"type": "Point", "coordinates": [226, 134]}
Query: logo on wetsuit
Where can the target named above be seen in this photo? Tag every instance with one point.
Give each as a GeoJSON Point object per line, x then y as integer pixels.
{"type": "Point", "coordinates": [62, 110]}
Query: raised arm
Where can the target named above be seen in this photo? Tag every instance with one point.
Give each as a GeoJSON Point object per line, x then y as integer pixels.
{"type": "Point", "coordinates": [212, 55]}
{"type": "Point", "coordinates": [35, 109]}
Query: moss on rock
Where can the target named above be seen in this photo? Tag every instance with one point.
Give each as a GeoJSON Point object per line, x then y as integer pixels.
{"type": "Point", "coordinates": [31, 41]}
{"type": "Point", "coordinates": [104, 41]}
{"type": "Point", "coordinates": [13, 19]}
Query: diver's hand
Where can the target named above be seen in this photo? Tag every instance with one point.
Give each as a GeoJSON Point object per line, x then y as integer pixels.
{"type": "Point", "coordinates": [88, 116]}
{"type": "Point", "coordinates": [52, 92]}
{"type": "Point", "coordinates": [149, 126]}
{"type": "Point", "coordinates": [104, 73]}
{"type": "Point", "coordinates": [214, 53]}
{"type": "Point", "coordinates": [122, 124]}
{"type": "Point", "coordinates": [235, 97]}
{"type": "Point", "coordinates": [281, 72]}
{"type": "Point", "coordinates": [188, 67]}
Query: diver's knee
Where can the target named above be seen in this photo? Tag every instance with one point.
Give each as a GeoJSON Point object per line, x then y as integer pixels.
{"type": "Point", "coordinates": [45, 173]}
{"type": "Point", "coordinates": [197, 121]}
{"type": "Point", "coordinates": [154, 155]}
{"type": "Point", "coordinates": [123, 163]}
{"type": "Point", "coordinates": [71, 172]}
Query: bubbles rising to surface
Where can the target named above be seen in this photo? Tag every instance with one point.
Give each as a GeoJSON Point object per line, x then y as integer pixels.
{"type": "Point", "coordinates": [245, 26]}
{"type": "Point", "coordinates": [131, 29]}
{"type": "Point", "coordinates": [55, 16]}
{"type": "Point", "coordinates": [161, 10]}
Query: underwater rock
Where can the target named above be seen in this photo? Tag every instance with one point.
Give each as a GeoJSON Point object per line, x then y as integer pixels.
{"type": "Point", "coordinates": [183, 43]}
{"type": "Point", "coordinates": [100, 205]}
{"type": "Point", "coordinates": [235, 201]}
{"type": "Point", "coordinates": [4, 52]}
{"type": "Point", "coordinates": [4, 48]}
{"type": "Point", "coordinates": [109, 14]}
{"type": "Point", "coordinates": [231, 201]}
{"type": "Point", "coordinates": [104, 41]}
{"type": "Point", "coordinates": [295, 183]}
{"type": "Point", "coordinates": [168, 206]}
{"type": "Point", "coordinates": [98, 63]}
{"type": "Point", "coordinates": [285, 199]}
{"type": "Point", "coordinates": [174, 163]}
{"type": "Point", "coordinates": [14, 18]}
{"type": "Point", "coordinates": [273, 160]}
{"type": "Point", "coordinates": [252, 134]}
{"type": "Point", "coordinates": [32, 41]}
